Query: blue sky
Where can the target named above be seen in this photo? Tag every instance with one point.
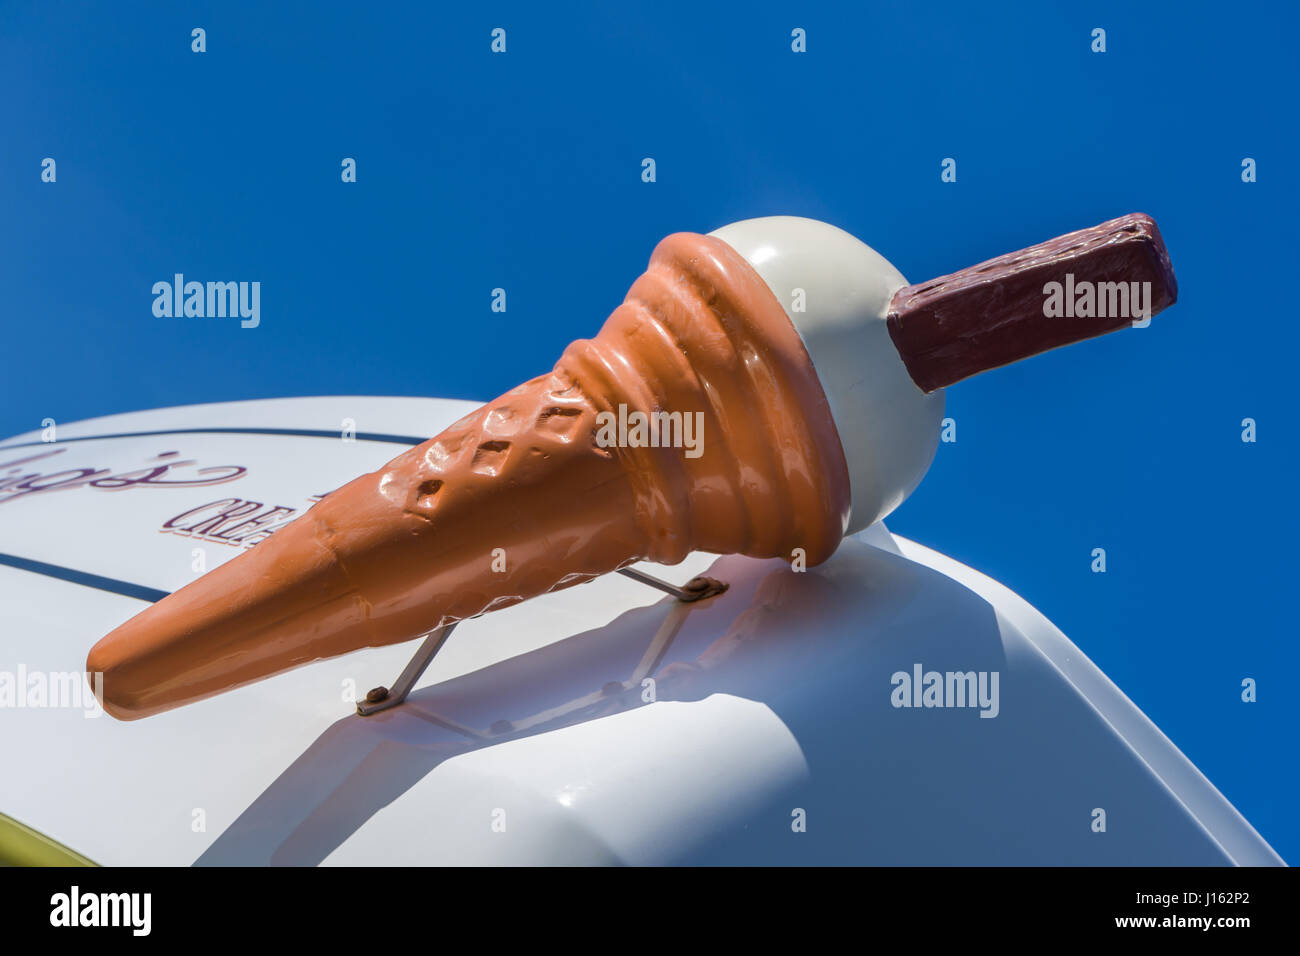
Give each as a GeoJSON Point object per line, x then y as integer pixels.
{"type": "Point", "coordinates": [523, 171]}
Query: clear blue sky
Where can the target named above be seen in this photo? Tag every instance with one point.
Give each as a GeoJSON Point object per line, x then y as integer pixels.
{"type": "Point", "coordinates": [523, 171]}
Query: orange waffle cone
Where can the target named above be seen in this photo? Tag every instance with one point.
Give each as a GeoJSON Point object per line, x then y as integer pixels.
{"type": "Point", "coordinates": [525, 483]}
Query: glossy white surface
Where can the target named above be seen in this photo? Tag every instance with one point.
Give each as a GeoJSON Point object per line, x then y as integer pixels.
{"type": "Point", "coordinates": [889, 428]}
{"type": "Point", "coordinates": [771, 699]}
{"type": "Point", "coordinates": [684, 775]}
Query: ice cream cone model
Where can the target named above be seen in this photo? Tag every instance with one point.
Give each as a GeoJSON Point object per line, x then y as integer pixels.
{"type": "Point", "coordinates": [762, 390]}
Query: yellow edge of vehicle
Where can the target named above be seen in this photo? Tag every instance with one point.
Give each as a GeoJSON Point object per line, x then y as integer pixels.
{"type": "Point", "coordinates": [20, 845]}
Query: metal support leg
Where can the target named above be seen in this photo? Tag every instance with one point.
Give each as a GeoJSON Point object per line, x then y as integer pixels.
{"type": "Point", "coordinates": [383, 698]}
{"type": "Point", "coordinates": [695, 589]}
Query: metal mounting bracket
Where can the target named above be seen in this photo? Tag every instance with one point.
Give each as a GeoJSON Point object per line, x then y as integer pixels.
{"type": "Point", "coordinates": [384, 698]}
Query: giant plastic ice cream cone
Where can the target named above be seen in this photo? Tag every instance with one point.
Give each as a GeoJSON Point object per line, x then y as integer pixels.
{"type": "Point", "coordinates": [775, 401]}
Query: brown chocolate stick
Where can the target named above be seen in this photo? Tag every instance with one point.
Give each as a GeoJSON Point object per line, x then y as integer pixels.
{"type": "Point", "coordinates": [1005, 309]}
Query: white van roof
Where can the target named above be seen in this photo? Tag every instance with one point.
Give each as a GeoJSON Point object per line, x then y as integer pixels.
{"type": "Point", "coordinates": [774, 731]}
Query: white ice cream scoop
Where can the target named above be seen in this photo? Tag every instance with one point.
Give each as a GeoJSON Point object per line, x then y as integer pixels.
{"type": "Point", "coordinates": [883, 350]}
